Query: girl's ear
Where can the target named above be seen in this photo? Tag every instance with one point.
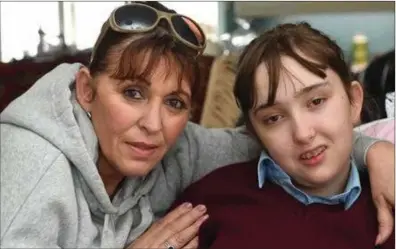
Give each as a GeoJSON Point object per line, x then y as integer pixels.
{"type": "Point", "coordinates": [357, 95]}
{"type": "Point", "coordinates": [84, 89]}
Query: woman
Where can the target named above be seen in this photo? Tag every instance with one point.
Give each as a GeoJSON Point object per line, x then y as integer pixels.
{"type": "Point", "coordinates": [91, 157]}
{"type": "Point", "coordinates": [300, 101]}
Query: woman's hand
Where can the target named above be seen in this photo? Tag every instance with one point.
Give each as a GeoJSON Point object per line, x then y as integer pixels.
{"type": "Point", "coordinates": [381, 166]}
{"type": "Point", "coordinates": [178, 229]}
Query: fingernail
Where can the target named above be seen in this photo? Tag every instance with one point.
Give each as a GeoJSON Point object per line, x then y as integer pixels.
{"type": "Point", "coordinates": [377, 240]}
{"type": "Point", "coordinates": [187, 205]}
{"type": "Point", "coordinates": [205, 217]}
{"type": "Point", "coordinates": [201, 208]}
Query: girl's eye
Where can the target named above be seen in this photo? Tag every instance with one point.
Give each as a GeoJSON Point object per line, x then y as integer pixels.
{"type": "Point", "coordinates": [272, 119]}
{"type": "Point", "coordinates": [133, 94]}
{"type": "Point", "coordinates": [317, 102]}
{"type": "Point", "coordinates": [176, 104]}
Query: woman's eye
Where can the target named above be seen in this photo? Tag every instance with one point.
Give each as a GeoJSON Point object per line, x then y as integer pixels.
{"type": "Point", "coordinates": [133, 94]}
{"type": "Point", "coordinates": [176, 103]}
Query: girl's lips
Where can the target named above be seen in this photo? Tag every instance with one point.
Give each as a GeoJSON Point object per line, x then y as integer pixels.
{"type": "Point", "coordinates": [313, 152]}
{"type": "Point", "coordinates": [314, 160]}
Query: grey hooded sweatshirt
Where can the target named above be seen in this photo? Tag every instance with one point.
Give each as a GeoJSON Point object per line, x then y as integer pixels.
{"type": "Point", "coordinates": [51, 193]}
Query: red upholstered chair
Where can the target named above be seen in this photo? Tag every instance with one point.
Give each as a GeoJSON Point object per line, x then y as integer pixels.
{"type": "Point", "coordinates": [17, 77]}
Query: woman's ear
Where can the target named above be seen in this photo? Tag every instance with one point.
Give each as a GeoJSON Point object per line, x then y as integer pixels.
{"type": "Point", "coordinates": [357, 95]}
{"type": "Point", "coordinates": [84, 89]}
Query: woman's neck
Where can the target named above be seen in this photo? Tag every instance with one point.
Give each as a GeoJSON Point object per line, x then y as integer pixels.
{"type": "Point", "coordinates": [111, 178]}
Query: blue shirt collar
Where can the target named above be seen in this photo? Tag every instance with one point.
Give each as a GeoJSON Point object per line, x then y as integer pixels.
{"type": "Point", "coordinates": [268, 169]}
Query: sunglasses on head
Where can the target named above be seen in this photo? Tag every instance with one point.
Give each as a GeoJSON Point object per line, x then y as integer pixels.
{"type": "Point", "coordinates": [140, 18]}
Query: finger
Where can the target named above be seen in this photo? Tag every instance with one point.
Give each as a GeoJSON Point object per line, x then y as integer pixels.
{"type": "Point", "coordinates": [173, 215]}
{"type": "Point", "coordinates": [193, 244]}
{"type": "Point", "coordinates": [181, 223]}
{"type": "Point", "coordinates": [159, 231]}
{"type": "Point", "coordinates": [385, 220]}
{"type": "Point", "coordinates": [181, 231]}
{"type": "Point", "coordinates": [183, 237]}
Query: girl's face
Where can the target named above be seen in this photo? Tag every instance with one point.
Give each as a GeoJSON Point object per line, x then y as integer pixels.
{"type": "Point", "coordinates": [138, 120]}
{"type": "Point", "coordinates": [309, 129]}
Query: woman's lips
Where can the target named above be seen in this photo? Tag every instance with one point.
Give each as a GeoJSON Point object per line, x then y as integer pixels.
{"type": "Point", "coordinates": [142, 150]}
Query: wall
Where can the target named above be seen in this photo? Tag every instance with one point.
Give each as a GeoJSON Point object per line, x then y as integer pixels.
{"type": "Point", "coordinates": [378, 26]}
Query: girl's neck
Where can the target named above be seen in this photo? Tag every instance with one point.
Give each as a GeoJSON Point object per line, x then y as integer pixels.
{"type": "Point", "coordinates": [334, 187]}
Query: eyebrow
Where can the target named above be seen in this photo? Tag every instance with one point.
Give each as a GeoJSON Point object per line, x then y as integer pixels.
{"type": "Point", "coordinates": [182, 92]}
{"type": "Point", "coordinates": [143, 81]}
{"type": "Point", "coordinates": [140, 81]}
{"type": "Point", "coordinates": [303, 91]}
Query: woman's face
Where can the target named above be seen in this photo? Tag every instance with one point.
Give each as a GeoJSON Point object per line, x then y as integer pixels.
{"type": "Point", "coordinates": [308, 131]}
{"type": "Point", "coordinates": [138, 120]}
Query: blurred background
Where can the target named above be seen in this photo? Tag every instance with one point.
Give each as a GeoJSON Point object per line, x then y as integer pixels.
{"type": "Point", "coordinates": [37, 36]}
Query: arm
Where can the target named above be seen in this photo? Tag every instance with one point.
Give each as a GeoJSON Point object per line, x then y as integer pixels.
{"type": "Point", "coordinates": [28, 220]}
{"type": "Point", "coordinates": [381, 168]}
{"type": "Point", "coordinates": [32, 214]}
{"type": "Point", "coordinates": [208, 149]}
{"type": "Point", "coordinates": [31, 227]}
{"type": "Point", "coordinates": [378, 156]}
{"type": "Point", "coordinates": [361, 146]}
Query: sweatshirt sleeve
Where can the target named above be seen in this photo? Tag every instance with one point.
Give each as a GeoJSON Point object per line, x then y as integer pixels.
{"type": "Point", "coordinates": [33, 210]}
{"type": "Point", "coordinates": [361, 145]}
{"type": "Point", "coordinates": [208, 149]}
{"type": "Point", "coordinates": [30, 227]}
{"type": "Point", "coordinates": [38, 215]}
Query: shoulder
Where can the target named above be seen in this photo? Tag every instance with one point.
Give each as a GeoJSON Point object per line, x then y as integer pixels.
{"type": "Point", "coordinates": [220, 182]}
{"type": "Point", "coordinates": [235, 170]}
{"type": "Point", "coordinates": [237, 174]}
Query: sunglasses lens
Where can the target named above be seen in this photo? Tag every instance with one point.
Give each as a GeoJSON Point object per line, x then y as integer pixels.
{"type": "Point", "coordinates": [188, 30]}
{"type": "Point", "coordinates": [135, 17]}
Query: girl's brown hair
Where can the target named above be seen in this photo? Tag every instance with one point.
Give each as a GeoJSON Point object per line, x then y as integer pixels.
{"type": "Point", "coordinates": [293, 40]}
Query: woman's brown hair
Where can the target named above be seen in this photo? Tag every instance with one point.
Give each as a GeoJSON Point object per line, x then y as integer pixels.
{"type": "Point", "coordinates": [128, 56]}
{"type": "Point", "coordinates": [309, 47]}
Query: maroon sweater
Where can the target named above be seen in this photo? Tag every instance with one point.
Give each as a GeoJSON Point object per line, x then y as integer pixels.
{"type": "Point", "coordinates": [244, 216]}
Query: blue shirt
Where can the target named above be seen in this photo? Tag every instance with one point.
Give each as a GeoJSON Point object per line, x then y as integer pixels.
{"type": "Point", "coordinates": [268, 169]}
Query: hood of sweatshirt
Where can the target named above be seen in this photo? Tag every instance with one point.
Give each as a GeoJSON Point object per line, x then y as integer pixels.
{"type": "Point", "coordinates": [49, 108]}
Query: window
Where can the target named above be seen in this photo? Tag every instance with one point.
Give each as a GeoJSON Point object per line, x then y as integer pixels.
{"type": "Point", "coordinates": [82, 21]}
{"type": "Point", "coordinates": [204, 13]}
{"type": "Point", "coordinates": [20, 22]}
{"type": "Point", "coordinates": [88, 20]}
